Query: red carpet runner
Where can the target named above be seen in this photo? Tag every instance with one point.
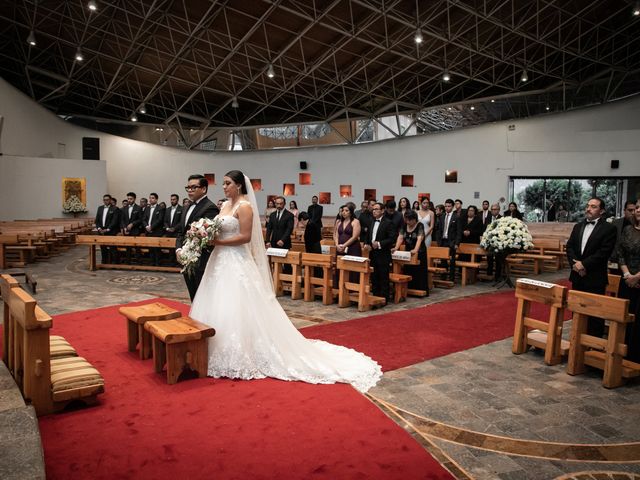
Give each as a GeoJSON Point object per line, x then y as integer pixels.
{"type": "Point", "coordinates": [222, 429]}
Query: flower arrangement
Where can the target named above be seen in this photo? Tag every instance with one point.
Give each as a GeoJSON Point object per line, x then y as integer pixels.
{"type": "Point", "coordinates": [73, 205]}
{"type": "Point", "coordinates": [198, 237]}
{"type": "Point", "coordinates": [506, 234]}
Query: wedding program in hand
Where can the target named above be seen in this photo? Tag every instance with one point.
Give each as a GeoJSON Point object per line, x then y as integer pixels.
{"type": "Point", "coordinates": [254, 337]}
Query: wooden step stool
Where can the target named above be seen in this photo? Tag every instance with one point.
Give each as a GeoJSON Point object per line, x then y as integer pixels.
{"type": "Point", "coordinates": [179, 343]}
{"type": "Point", "coordinates": [137, 317]}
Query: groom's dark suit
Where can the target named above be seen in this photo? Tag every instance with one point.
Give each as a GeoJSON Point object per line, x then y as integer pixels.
{"type": "Point", "coordinates": [205, 208]}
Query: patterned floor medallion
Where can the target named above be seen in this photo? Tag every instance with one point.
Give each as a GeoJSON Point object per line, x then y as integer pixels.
{"type": "Point", "coordinates": [137, 280]}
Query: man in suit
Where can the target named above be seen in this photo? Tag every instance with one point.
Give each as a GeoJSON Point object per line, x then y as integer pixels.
{"type": "Point", "coordinates": [315, 211]}
{"type": "Point", "coordinates": [280, 226]}
{"type": "Point", "coordinates": [485, 214]}
{"type": "Point", "coordinates": [107, 224]}
{"type": "Point", "coordinates": [620, 223]}
{"type": "Point", "coordinates": [393, 215]}
{"type": "Point", "coordinates": [132, 223]}
{"type": "Point", "coordinates": [451, 235]}
{"type": "Point", "coordinates": [588, 250]}
{"type": "Point", "coordinates": [201, 207]}
{"type": "Point", "coordinates": [154, 224]}
{"type": "Point", "coordinates": [382, 236]}
{"type": "Point", "coordinates": [144, 205]}
{"type": "Point", "coordinates": [495, 215]}
{"type": "Point", "coordinates": [172, 217]}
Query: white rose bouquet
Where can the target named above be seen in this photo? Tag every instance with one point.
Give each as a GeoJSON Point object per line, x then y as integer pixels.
{"type": "Point", "coordinates": [506, 235]}
{"type": "Point", "coordinates": [198, 237]}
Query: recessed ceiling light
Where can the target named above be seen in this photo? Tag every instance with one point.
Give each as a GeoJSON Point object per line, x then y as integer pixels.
{"type": "Point", "coordinates": [31, 39]}
{"type": "Point", "coordinates": [418, 38]}
{"type": "Point", "coordinates": [93, 6]}
{"type": "Point", "coordinates": [79, 56]}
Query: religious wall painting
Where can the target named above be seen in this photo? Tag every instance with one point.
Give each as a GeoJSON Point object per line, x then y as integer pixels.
{"type": "Point", "coordinates": [304, 178]}
{"type": "Point", "coordinates": [370, 194]}
{"type": "Point", "coordinates": [407, 180]}
{"type": "Point", "coordinates": [211, 178]}
{"type": "Point", "coordinates": [256, 184]}
{"type": "Point", "coordinates": [324, 198]}
{"type": "Point", "coordinates": [288, 189]}
{"type": "Point", "coordinates": [74, 187]}
{"type": "Point", "coordinates": [345, 191]}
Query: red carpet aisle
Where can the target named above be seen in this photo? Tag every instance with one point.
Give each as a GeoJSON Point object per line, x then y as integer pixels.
{"type": "Point", "coordinates": [222, 429]}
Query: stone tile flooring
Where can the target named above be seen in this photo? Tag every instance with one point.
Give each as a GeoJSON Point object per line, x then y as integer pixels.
{"type": "Point", "coordinates": [466, 408]}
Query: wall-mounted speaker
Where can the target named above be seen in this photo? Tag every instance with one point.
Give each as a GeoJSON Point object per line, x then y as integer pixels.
{"type": "Point", "coordinates": [303, 165]}
{"type": "Point", "coordinates": [90, 148]}
{"type": "Point", "coordinates": [615, 163]}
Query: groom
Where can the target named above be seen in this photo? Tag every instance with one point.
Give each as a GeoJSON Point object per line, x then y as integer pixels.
{"type": "Point", "coordinates": [201, 207]}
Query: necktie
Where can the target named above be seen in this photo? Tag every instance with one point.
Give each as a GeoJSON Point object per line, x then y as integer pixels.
{"type": "Point", "coordinates": [279, 215]}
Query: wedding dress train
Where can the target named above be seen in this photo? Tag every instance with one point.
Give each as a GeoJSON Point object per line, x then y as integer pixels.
{"type": "Point", "coordinates": [254, 337]}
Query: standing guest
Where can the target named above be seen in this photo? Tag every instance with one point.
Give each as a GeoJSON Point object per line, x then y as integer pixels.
{"type": "Point", "coordinates": [451, 233]}
{"type": "Point", "coordinates": [220, 202]}
{"type": "Point", "coordinates": [620, 224]}
{"type": "Point", "coordinates": [132, 216]}
{"type": "Point", "coordinates": [186, 203]}
{"type": "Point", "coordinates": [114, 202]}
{"type": "Point", "coordinates": [438, 211]}
{"type": "Point", "coordinates": [144, 204]}
{"type": "Point", "coordinates": [394, 216]}
{"type": "Point", "coordinates": [293, 208]}
{"type": "Point", "coordinates": [403, 206]}
{"type": "Point", "coordinates": [172, 217]}
{"type": "Point", "coordinates": [381, 239]}
{"type": "Point", "coordinates": [457, 208]}
{"type": "Point", "coordinates": [364, 206]}
{"type": "Point", "coordinates": [562, 215]}
{"type": "Point", "coordinates": [201, 207]}
{"type": "Point", "coordinates": [427, 218]}
{"type": "Point", "coordinates": [588, 250]}
{"type": "Point", "coordinates": [513, 211]}
{"type": "Point", "coordinates": [551, 212]}
{"type": "Point", "coordinates": [629, 260]}
{"type": "Point", "coordinates": [271, 207]}
{"type": "Point", "coordinates": [125, 204]}
{"type": "Point", "coordinates": [312, 234]}
{"type": "Point", "coordinates": [412, 236]}
{"type": "Point", "coordinates": [280, 226]}
{"type": "Point", "coordinates": [365, 219]}
{"type": "Point", "coordinates": [485, 214]}
{"type": "Point", "coordinates": [118, 215]}
{"type": "Point", "coordinates": [162, 205]}
{"type": "Point", "coordinates": [416, 206]}
{"type": "Point", "coordinates": [495, 215]}
{"type": "Point", "coordinates": [346, 232]}
{"type": "Point", "coordinates": [472, 227]}
{"type": "Point", "coordinates": [107, 224]}
{"type": "Point", "coordinates": [315, 212]}
{"type": "Point", "coordinates": [154, 224]}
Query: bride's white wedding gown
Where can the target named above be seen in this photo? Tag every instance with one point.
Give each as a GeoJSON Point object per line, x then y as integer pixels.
{"type": "Point", "coordinates": [254, 337]}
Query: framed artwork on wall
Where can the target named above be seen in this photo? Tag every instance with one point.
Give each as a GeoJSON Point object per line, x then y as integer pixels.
{"type": "Point", "coordinates": [288, 189]}
{"type": "Point", "coordinates": [407, 181]}
{"type": "Point", "coordinates": [324, 198]}
{"type": "Point", "coordinates": [74, 187]}
{"type": "Point", "coordinates": [386, 198]}
{"type": "Point", "coordinates": [211, 178]}
{"type": "Point", "coordinates": [304, 178]}
{"type": "Point", "coordinates": [256, 184]}
{"type": "Point", "coordinates": [345, 191]}
{"type": "Point", "coordinates": [370, 194]}
{"type": "Point", "coordinates": [451, 176]}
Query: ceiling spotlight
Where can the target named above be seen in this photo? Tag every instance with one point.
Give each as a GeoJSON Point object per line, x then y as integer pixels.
{"type": "Point", "coordinates": [636, 9]}
{"type": "Point", "coordinates": [234, 103]}
{"type": "Point", "coordinates": [159, 129]}
{"type": "Point", "coordinates": [472, 107]}
{"type": "Point", "coordinates": [143, 109]}
{"type": "Point", "coordinates": [493, 101]}
{"type": "Point", "coordinates": [31, 39]}
{"type": "Point", "coordinates": [547, 108]}
{"type": "Point", "coordinates": [418, 38]}
{"type": "Point", "coordinates": [524, 77]}
{"type": "Point", "coordinates": [79, 56]}
{"type": "Point", "coordinates": [134, 118]}
{"type": "Point", "coordinates": [449, 108]}
{"type": "Point", "coordinates": [445, 76]}
{"type": "Point", "coordinates": [93, 6]}
{"type": "Point", "coordinates": [270, 71]}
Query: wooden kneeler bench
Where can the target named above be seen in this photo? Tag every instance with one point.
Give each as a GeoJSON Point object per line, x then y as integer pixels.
{"type": "Point", "coordinates": [180, 343]}
{"type": "Point", "coordinates": [356, 292]}
{"type": "Point", "coordinates": [536, 333]}
{"type": "Point", "coordinates": [318, 285]}
{"type": "Point", "coordinates": [400, 286]}
{"type": "Point", "coordinates": [137, 317]}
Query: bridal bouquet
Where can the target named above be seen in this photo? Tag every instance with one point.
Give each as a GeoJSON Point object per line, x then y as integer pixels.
{"type": "Point", "coordinates": [200, 233]}
{"type": "Point", "coordinates": [506, 234]}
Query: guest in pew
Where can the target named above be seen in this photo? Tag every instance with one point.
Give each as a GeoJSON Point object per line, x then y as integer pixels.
{"type": "Point", "coordinates": [293, 208]}
{"type": "Point", "coordinates": [364, 207]}
{"type": "Point", "coordinates": [427, 218]}
{"type": "Point", "coordinates": [513, 211]}
{"type": "Point", "coordinates": [629, 261]}
{"type": "Point", "coordinates": [125, 204]}
{"type": "Point", "coordinates": [312, 234]}
{"type": "Point", "coordinates": [395, 217]}
{"type": "Point", "coordinates": [379, 243]}
{"type": "Point", "coordinates": [472, 227]}
{"type": "Point", "coordinates": [485, 215]}
{"type": "Point", "coordinates": [588, 250]}
{"type": "Point", "coordinates": [280, 226]}
{"type": "Point", "coordinates": [366, 220]}
{"type": "Point", "coordinates": [315, 211]}
{"type": "Point", "coordinates": [450, 235]}
{"type": "Point", "coordinates": [415, 206]}
{"type": "Point", "coordinates": [412, 236]}
{"type": "Point", "coordinates": [346, 232]}
{"type": "Point", "coordinates": [220, 202]}
{"type": "Point", "coordinates": [620, 224]}
{"type": "Point", "coordinates": [172, 217]}
{"type": "Point", "coordinates": [154, 224]}
{"type": "Point", "coordinates": [458, 210]}
{"type": "Point", "coordinates": [495, 215]}
{"type": "Point", "coordinates": [271, 207]}
{"type": "Point", "coordinates": [132, 223]}
{"type": "Point", "coordinates": [186, 203]}
{"type": "Point", "coordinates": [107, 224]}
{"type": "Point", "coordinates": [144, 204]}
{"type": "Point", "coordinates": [404, 206]}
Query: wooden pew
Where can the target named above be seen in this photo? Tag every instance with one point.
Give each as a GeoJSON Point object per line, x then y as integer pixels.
{"type": "Point", "coordinates": [604, 354]}
{"type": "Point", "coordinates": [291, 282]}
{"type": "Point", "coordinates": [356, 292]}
{"type": "Point", "coordinates": [397, 269]}
{"type": "Point", "coordinates": [322, 286]}
{"type": "Point", "coordinates": [549, 246]}
{"type": "Point", "coordinates": [7, 282]}
{"type": "Point", "coordinates": [613, 285]}
{"type": "Point", "coordinates": [532, 332]}
{"type": "Point", "coordinates": [470, 267]}
{"type": "Point", "coordinates": [436, 256]}
{"type": "Point", "coordinates": [94, 241]}
{"type": "Point", "coordinates": [48, 384]}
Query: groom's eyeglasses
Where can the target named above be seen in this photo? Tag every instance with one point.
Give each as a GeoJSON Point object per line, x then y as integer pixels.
{"type": "Point", "coordinates": [188, 188]}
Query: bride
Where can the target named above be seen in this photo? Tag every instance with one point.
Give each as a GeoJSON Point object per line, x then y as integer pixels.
{"type": "Point", "coordinates": [254, 337]}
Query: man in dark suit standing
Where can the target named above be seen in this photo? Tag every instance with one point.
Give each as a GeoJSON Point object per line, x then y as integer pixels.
{"type": "Point", "coordinates": [107, 223]}
{"type": "Point", "coordinates": [451, 235]}
{"type": "Point", "coordinates": [280, 226]}
{"type": "Point", "coordinates": [315, 212]}
{"type": "Point", "coordinates": [588, 250]}
{"type": "Point", "coordinates": [154, 224]}
{"type": "Point", "coordinates": [485, 214]}
{"type": "Point", "coordinates": [132, 216]}
{"type": "Point", "coordinates": [172, 217]}
{"type": "Point", "coordinates": [619, 224]}
{"type": "Point", "coordinates": [382, 236]}
{"type": "Point", "coordinates": [201, 207]}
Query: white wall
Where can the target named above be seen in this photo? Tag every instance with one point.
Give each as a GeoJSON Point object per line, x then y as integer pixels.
{"type": "Point", "coordinates": [579, 143]}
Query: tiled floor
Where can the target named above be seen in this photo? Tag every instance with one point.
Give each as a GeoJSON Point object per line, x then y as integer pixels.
{"type": "Point", "coordinates": [484, 413]}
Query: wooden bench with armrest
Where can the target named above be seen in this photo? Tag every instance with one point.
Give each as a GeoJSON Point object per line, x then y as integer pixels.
{"type": "Point", "coordinates": [436, 257]}
{"type": "Point", "coordinates": [49, 384]}
{"type": "Point", "coordinates": [356, 292]}
{"type": "Point", "coordinates": [319, 285]}
{"type": "Point", "coordinates": [470, 268]}
{"type": "Point", "coordinates": [549, 246]}
{"type": "Point", "coordinates": [290, 282]}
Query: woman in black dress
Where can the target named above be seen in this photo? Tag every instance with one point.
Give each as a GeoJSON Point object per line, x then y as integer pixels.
{"type": "Point", "coordinates": [629, 261]}
{"type": "Point", "coordinates": [513, 211]}
{"type": "Point", "coordinates": [412, 237]}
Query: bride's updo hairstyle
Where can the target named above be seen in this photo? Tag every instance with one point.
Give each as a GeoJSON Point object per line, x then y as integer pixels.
{"type": "Point", "coordinates": [238, 178]}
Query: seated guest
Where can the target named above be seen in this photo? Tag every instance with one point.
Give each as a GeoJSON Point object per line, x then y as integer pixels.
{"type": "Point", "coordinates": [393, 215]}
{"type": "Point", "coordinates": [312, 234]}
{"type": "Point", "coordinates": [472, 227]}
{"type": "Point", "coordinates": [513, 211]}
{"type": "Point", "coordinates": [629, 261]}
{"type": "Point", "coordinates": [412, 237]}
{"type": "Point", "coordinates": [172, 217]}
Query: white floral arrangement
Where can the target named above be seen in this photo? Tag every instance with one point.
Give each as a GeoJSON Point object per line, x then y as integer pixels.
{"type": "Point", "coordinates": [506, 234]}
{"type": "Point", "coordinates": [73, 205]}
{"type": "Point", "coordinates": [198, 237]}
